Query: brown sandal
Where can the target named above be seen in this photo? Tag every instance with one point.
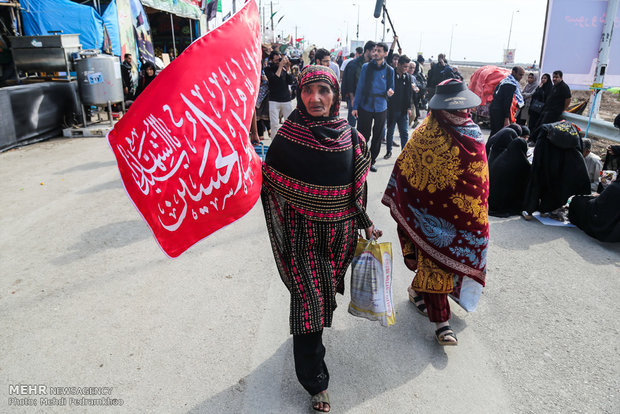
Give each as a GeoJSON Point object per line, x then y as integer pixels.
{"type": "Point", "coordinates": [322, 397]}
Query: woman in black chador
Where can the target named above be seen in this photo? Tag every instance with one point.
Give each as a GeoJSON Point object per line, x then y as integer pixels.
{"type": "Point", "coordinates": [508, 178]}
{"type": "Point", "coordinates": [598, 216]}
{"type": "Point", "coordinates": [558, 169]}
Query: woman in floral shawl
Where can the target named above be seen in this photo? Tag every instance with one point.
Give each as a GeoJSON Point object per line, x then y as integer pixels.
{"type": "Point", "coordinates": [438, 196]}
{"type": "Point", "coordinates": [314, 196]}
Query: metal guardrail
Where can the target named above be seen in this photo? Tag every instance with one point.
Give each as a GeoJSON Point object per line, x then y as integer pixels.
{"type": "Point", "coordinates": [476, 64]}
{"type": "Point", "coordinates": [598, 128]}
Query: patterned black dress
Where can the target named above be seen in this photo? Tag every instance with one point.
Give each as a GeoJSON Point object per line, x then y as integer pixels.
{"type": "Point", "coordinates": [313, 196]}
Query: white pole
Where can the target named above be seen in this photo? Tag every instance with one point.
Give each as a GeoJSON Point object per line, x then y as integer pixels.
{"type": "Point", "coordinates": [603, 55]}
{"type": "Point", "coordinates": [451, 36]}
{"type": "Point", "coordinates": [510, 32]}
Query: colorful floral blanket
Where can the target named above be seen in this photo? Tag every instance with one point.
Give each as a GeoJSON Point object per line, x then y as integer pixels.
{"type": "Point", "coordinates": [438, 193]}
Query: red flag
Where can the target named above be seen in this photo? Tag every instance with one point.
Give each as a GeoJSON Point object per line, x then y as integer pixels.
{"type": "Point", "coordinates": [299, 39]}
{"type": "Point", "coordinates": [183, 150]}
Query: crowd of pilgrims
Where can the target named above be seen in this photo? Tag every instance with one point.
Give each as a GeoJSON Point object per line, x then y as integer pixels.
{"type": "Point", "coordinates": [548, 168]}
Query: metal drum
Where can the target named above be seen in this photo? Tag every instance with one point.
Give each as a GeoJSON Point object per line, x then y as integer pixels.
{"type": "Point", "coordinates": [99, 78]}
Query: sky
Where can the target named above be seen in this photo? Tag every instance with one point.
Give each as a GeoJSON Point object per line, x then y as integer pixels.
{"type": "Point", "coordinates": [477, 29]}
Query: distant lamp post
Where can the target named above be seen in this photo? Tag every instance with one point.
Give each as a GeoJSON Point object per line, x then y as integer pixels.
{"type": "Point", "coordinates": [510, 30]}
{"type": "Point", "coordinates": [451, 37]}
{"type": "Point", "coordinates": [357, 32]}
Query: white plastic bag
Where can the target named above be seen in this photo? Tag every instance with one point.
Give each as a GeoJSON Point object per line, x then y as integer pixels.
{"type": "Point", "coordinates": [466, 292]}
{"type": "Point", "coordinates": [371, 282]}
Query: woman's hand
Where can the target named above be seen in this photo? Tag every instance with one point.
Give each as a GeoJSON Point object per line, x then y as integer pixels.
{"type": "Point", "coordinates": [373, 233]}
{"type": "Point", "coordinates": [254, 138]}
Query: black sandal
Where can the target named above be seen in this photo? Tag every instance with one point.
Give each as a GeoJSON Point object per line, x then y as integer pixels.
{"type": "Point", "coordinates": [442, 333]}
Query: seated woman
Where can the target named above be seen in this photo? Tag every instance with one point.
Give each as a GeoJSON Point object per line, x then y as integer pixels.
{"type": "Point", "coordinates": [598, 216]}
{"type": "Point", "coordinates": [558, 169]}
{"type": "Point", "coordinates": [508, 178]}
{"type": "Point", "coordinates": [612, 158]}
{"type": "Point", "coordinates": [525, 132]}
{"type": "Point", "coordinates": [517, 128]}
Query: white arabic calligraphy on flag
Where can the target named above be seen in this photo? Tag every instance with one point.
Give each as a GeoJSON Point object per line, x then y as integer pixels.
{"type": "Point", "coordinates": [183, 150]}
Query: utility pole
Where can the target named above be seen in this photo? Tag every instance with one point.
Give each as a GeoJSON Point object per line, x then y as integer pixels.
{"type": "Point", "coordinates": [174, 43]}
{"type": "Point", "coordinates": [603, 54]}
{"type": "Point", "coordinates": [357, 33]}
{"type": "Point", "coordinates": [383, 22]}
{"type": "Point", "coordinates": [271, 4]}
{"type": "Point", "coordinates": [261, 15]}
{"type": "Point", "coordinates": [510, 30]}
{"type": "Point", "coordinates": [451, 37]}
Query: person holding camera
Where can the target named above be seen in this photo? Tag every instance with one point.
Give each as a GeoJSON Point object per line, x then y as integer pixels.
{"type": "Point", "coordinates": [279, 80]}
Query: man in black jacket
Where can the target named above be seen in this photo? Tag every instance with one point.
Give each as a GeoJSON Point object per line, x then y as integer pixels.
{"type": "Point", "coordinates": [279, 93]}
{"type": "Point", "coordinates": [499, 110]}
{"type": "Point", "coordinates": [351, 77]}
{"type": "Point", "coordinates": [434, 75]}
{"type": "Point", "coordinates": [557, 101]}
{"type": "Point", "coordinates": [399, 105]}
{"type": "Point", "coordinates": [128, 84]}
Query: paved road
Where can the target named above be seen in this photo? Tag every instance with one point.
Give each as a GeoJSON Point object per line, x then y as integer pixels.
{"type": "Point", "coordinates": [87, 298]}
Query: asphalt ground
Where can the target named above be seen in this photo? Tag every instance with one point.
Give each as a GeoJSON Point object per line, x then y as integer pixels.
{"type": "Point", "coordinates": [87, 299]}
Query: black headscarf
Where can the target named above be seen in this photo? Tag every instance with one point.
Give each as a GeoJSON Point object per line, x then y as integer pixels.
{"type": "Point", "coordinates": [517, 128]}
{"type": "Point", "coordinates": [508, 176]}
{"type": "Point", "coordinates": [499, 142]}
{"type": "Point", "coordinates": [525, 131]}
{"type": "Point", "coordinates": [314, 162]}
{"type": "Point", "coordinates": [145, 79]}
{"type": "Point", "coordinates": [542, 91]}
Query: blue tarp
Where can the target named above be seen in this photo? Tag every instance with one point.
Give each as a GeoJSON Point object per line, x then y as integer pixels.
{"type": "Point", "coordinates": [42, 16]}
{"type": "Point", "coordinates": [110, 19]}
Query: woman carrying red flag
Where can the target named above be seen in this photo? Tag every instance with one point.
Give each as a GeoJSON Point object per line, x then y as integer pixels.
{"type": "Point", "coordinates": [438, 196]}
